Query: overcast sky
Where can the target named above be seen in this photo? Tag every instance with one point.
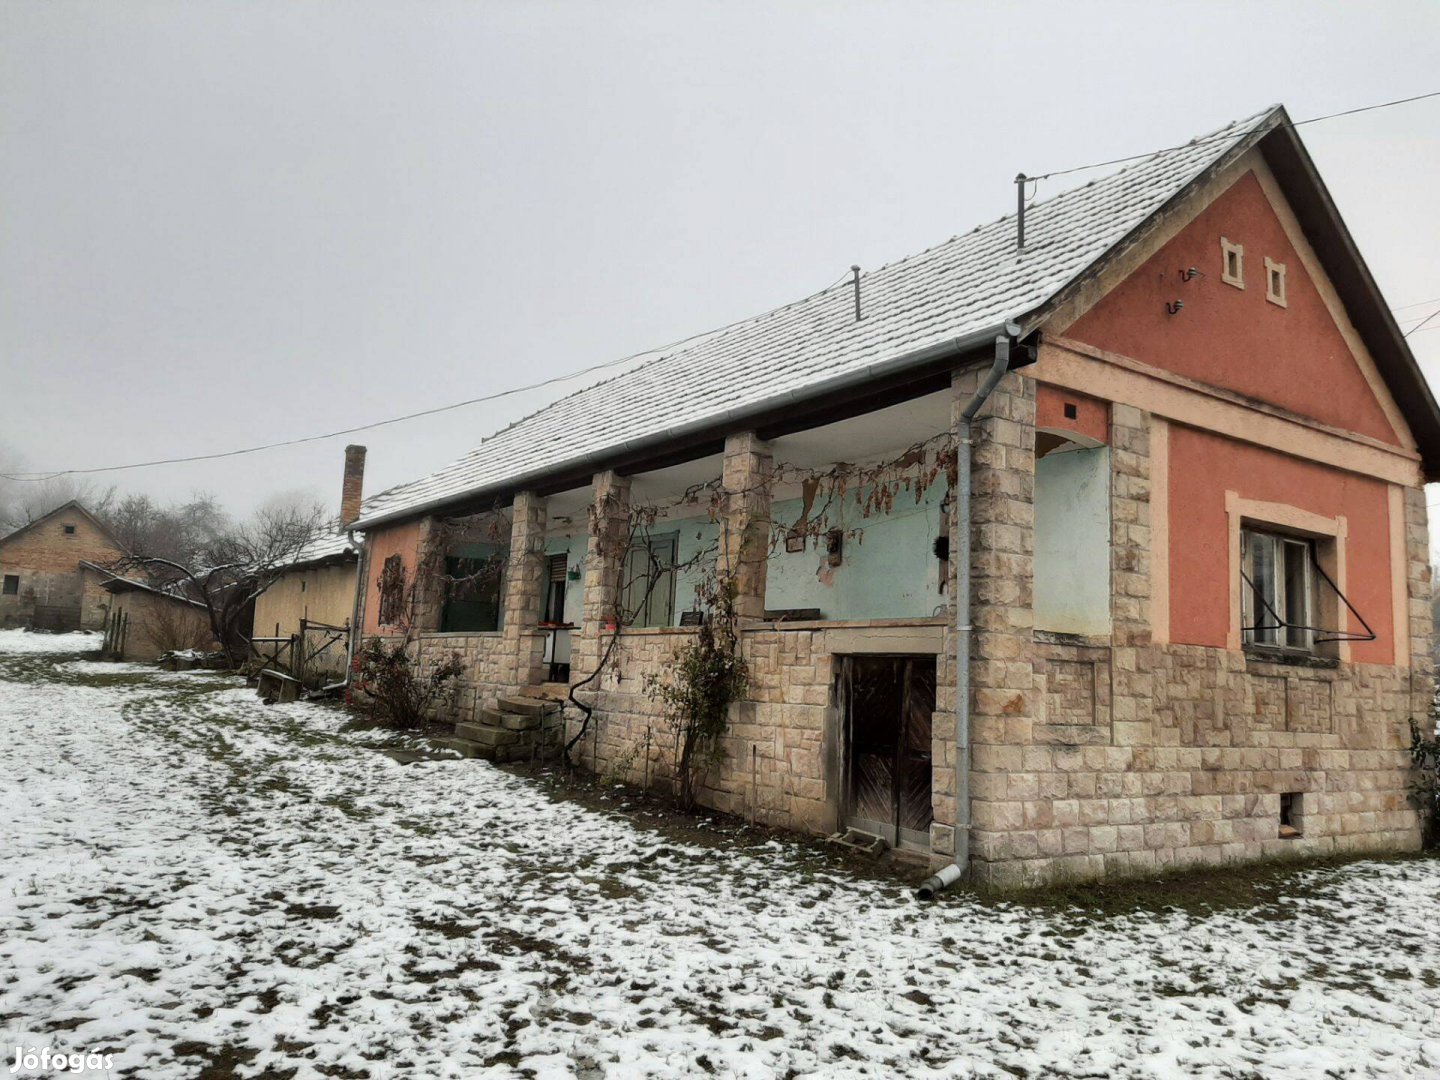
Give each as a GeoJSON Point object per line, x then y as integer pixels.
{"type": "Point", "coordinates": [224, 224]}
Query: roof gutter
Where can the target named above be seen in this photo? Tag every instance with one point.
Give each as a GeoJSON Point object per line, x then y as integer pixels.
{"type": "Point", "coordinates": [917, 358]}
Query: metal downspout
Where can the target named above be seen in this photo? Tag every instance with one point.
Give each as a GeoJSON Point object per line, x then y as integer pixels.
{"type": "Point", "coordinates": [361, 558]}
{"type": "Point", "coordinates": [948, 875]}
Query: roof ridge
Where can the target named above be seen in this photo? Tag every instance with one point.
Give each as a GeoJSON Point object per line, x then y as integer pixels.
{"type": "Point", "coordinates": [957, 286]}
{"type": "Point", "coordinates": [1145, 159]}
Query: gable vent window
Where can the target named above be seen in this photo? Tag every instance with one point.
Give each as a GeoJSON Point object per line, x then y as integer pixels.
{"type": "Point", "coordinates": [1232, 263]}
{"type": "Point", "coordinates": [69, 530]}
{"type": "Point", "coordinates": [1274, 281]}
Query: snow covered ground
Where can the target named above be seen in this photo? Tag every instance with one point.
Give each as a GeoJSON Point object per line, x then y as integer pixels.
{"type": "Point", "coordinates": [195, 880]}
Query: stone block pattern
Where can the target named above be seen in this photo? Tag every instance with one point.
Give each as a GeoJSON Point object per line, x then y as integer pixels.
{"type": "Point", "coordinates": [774, 763]}
{"type": "Point", "coordinates": [1202, 742]}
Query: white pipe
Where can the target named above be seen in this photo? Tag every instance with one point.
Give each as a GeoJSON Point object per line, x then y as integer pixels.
{"type": "Point", "coordinates": [939, 881]}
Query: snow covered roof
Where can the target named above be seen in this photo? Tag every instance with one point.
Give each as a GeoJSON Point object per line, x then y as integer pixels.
{"type": "Point", "coordinates": [334, 546]}
{"type": "Point", "coordinates": [968, 287]}
{"type": "Point", "coordinates": [115, 583]}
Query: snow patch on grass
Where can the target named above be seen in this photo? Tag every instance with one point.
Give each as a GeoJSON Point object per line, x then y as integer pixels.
{"type": "Point", "coordinates": [16, 642]}
{"type": "Point", "coordinates": [197, 880]}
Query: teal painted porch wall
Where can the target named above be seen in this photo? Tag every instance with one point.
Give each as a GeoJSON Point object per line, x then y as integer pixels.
{"type": "Point", "coordinates": [887, 571]}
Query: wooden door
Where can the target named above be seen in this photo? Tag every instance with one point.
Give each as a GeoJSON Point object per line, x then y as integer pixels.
{"type": "Point", "coordinates": [888, 705]}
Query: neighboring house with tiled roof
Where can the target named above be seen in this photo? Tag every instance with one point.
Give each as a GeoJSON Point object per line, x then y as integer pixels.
{"type": "Point", "coordinates": [298, 616]}
{"type": "Point", "coordinates": [1198, 582]}
{"type": "Point", "coordinates": [146, 621]}
{"type": "Point", "coordinates": [42, 582]}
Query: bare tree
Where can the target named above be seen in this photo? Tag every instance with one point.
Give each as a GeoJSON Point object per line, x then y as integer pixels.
{"type": "Point", "coordinates": [178, 532]}
{"type": "Point", "coordinates": [229, 572]}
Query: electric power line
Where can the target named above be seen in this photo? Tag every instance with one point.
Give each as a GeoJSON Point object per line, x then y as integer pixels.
{"type": "Point", "coordinates": [37, 476]}
{"type": "Point", "coordinates": [1421, 323]}
{"type": "Point", "coordinates": [1231, 135]}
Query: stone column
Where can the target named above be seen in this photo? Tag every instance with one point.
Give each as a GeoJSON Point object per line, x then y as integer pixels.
{"type": "Point", "coordinates": [428, 598]}
{"type": "Point", "coordinates": [604, 568]}
{"type": "Point", "coordinates": [1132, 658]}
{"type": "Point", "coordinates": [524, 587]}
{"type": "Point", "coordinates": [1418, 574]}
{"type": "Point", "coordinates": [1003, 695]}
{"type": "Point", "coordinates": [745, 525]}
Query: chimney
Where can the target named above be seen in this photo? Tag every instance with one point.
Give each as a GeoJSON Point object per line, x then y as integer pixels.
{"type": "Point", "coordinates": [351, 490]}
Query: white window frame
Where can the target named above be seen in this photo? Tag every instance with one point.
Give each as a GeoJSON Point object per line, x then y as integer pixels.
{"type": "Point", "coordinates": [1227, 249]}
{"type": "Point", "coordinates": [1274, 270]}
{"type": "Point", "coordinates": [658, 608]}
{"type": "Point", "coordinates": [1272, 617]}
{"type": "Point", "coordinates": [1330, 535]}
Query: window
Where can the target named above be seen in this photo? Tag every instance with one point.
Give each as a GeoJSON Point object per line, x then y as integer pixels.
{"type": "Point", "coordinates": [1274, 282]}
{"type": "Point", "coordinates": [12, 585]}
{"type": "Point", "coordinates": [557, 566]}
{"type": "Point", "coordinates": [474, 590]}
{"type": "Point", "coordinates": [648, 590]}
{"type": "Point", "coordinates": [1278, 591]}
{"type": "Point", "coordinates": [392, 591]}
{"type": "Point", "coordinates": [69, 530]}
{"type": "Point", "coordinates": [1232, 263]}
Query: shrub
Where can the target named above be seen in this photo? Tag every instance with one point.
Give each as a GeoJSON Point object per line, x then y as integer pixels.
{"type": "Point", "coordinates": [176, 628]}
{"type": "Point", "coordinates": [1425, 788]}
{"type": "Point", "coordinates": [706, 675]}
{"type": "Point", "coordinates": [398, 693]}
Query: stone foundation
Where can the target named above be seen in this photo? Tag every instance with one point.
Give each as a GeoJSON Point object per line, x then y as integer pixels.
{"type": "Point", "coordinates": [1198, 778]}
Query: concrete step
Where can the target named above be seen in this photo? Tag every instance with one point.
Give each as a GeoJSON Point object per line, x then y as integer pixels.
{"type": "Point", "coordinates": [550, 691]}
{"type": "Point", "coordinates": [510, 721]}
{"type": "Point", "coordinates": [464, 747]}
{"type": "Point", "coordinates": [526, 706]}
{"type": "Point", "coordinates": [487, 735]}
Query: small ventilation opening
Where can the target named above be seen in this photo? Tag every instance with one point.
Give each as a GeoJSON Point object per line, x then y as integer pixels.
{"type": "Point", "coordinates": [1072, 411]}
{"type": "Point", "coordinates": [1232, 263]}
{"type": "Point", "coordinates": [69, 530]}
{"type": "Point", "coordinates": [1291, 815]}
{"type": "Point", "coordinates": [1275, 282]}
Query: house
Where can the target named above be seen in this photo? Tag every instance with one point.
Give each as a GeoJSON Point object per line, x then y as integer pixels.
{"type": "Point", "coordinates": [1176, 442]}
{"type": "Point", "coordinates": [42, 582]}
{"type": "Point", "coordinates": [146, 622]}
{"type": "Point", "coordinates": [308, 609]}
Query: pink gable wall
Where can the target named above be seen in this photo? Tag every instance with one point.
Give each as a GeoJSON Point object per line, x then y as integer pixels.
{"type": "Point", "coordinates": [1294, 356]}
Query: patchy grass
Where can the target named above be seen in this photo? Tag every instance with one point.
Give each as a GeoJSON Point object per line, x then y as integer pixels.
{"type": "Point", "coordinates": [1270, 888]}
{"type": "Point", "coordinates": [256, 891]}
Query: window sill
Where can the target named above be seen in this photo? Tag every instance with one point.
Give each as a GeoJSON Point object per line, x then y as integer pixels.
{"type": "Point", "coordinates": [1262, 655]}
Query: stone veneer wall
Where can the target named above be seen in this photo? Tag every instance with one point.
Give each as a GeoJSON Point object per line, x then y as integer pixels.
{"type": "Point", "coordinates": [775, 758]}
{"type": "Point", "coordinates": [489, 662]}
{"type": "Point", "coordinates": [1115, 756]}
{"type": "Point", "coordinates": [780, 760]}
{"type": "Point", "coordinates": [1199, 779]}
